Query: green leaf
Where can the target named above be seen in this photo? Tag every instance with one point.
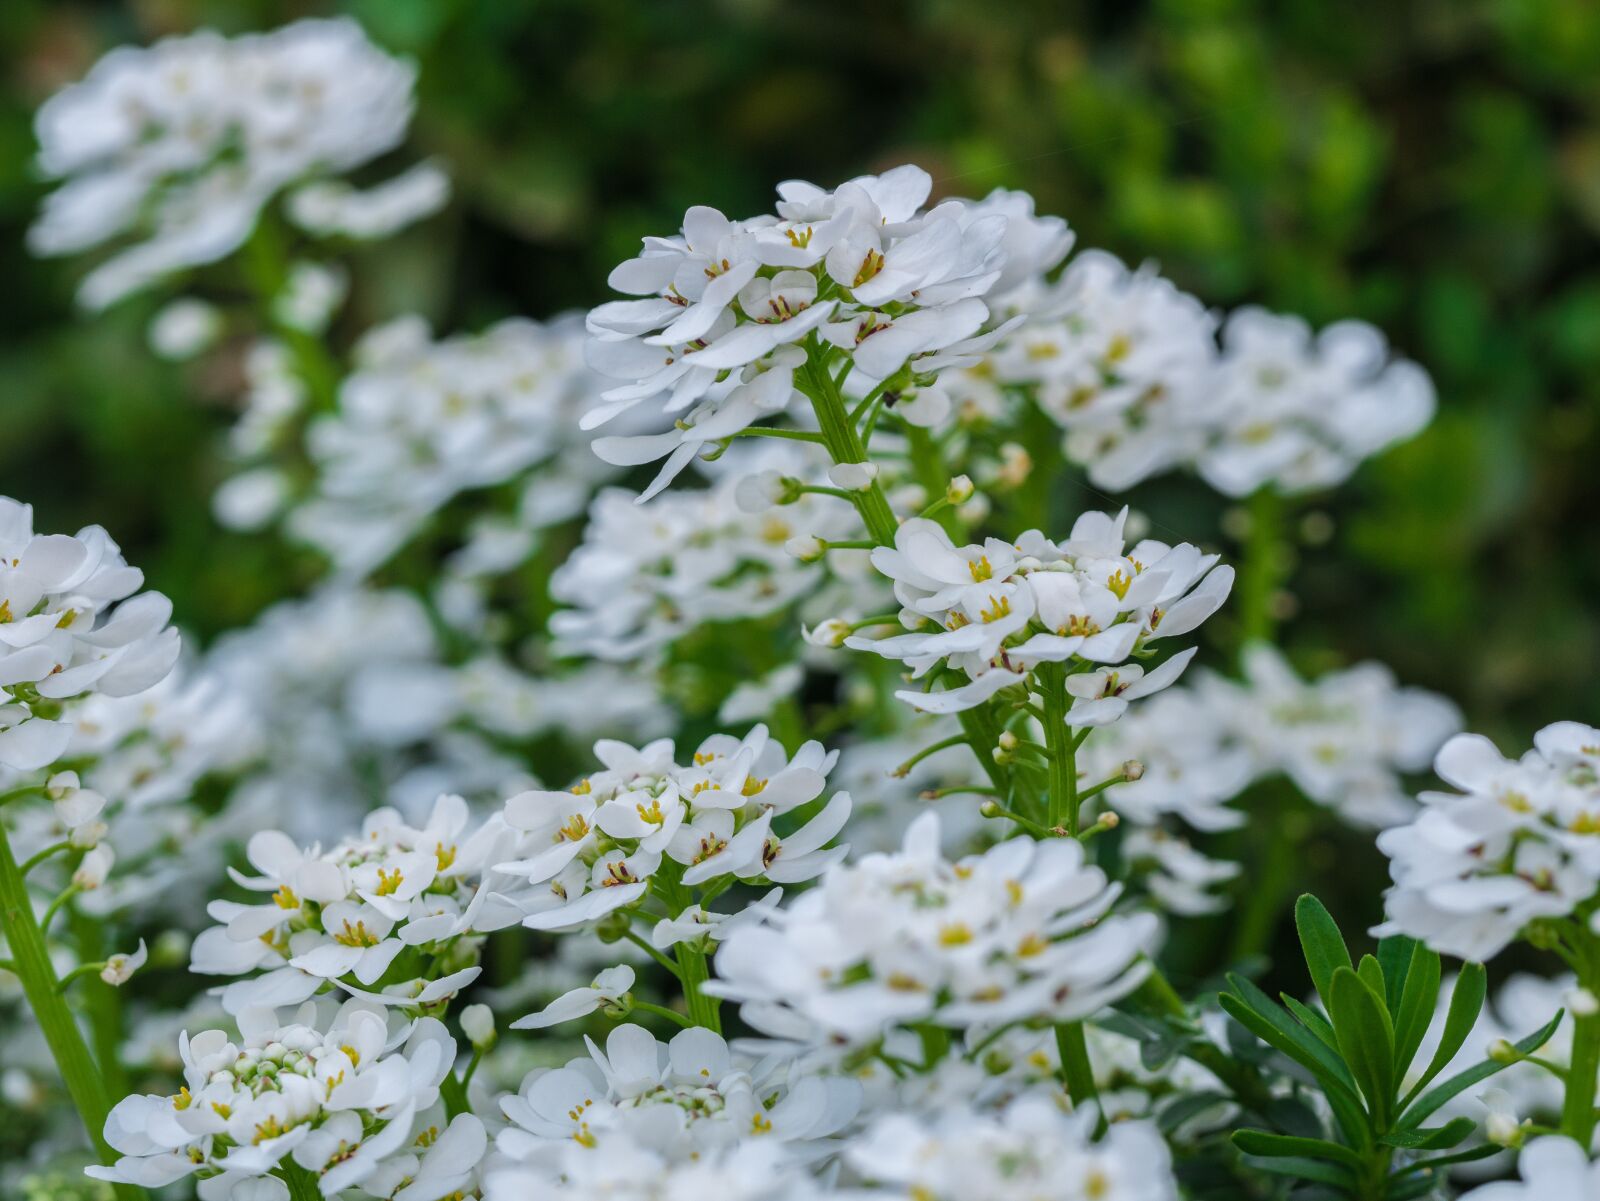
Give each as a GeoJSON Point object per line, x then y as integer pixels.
{"type": "Point", "coordinates": [1317, 1170]}
{"type": "Point", "coordinates": [1433, 1138]}
{"type": "Point", "coordinates": [1254, 1010]}
{"type": "Point", "coordinates": [1283, 1146]}
{"type": "Point", "coordinates": [1171, 1116]}
{"type": "Point", "coordinates": [1311, 1020]}
{"type": "Point", "coordinates": [1425, 1166]}
{"type": "Point", "coordinates": [1466, 1002]}
{"type": "Point", "coordinates": [1419, 999]}
{"type": "Point", "coordinates": [1435, 1097]}
{"type": "Point", "coordinates": [1366, 1040]}
{"type": "Point", "coordinates": [1395, 954]}
{"type": "Point", "coordinates": [1372, 976]}
{"type": "Point", "coordinates": [1321, 943]}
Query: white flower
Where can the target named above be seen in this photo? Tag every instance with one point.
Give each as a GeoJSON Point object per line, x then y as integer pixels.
{"type": "Point", "coordinates": [1030, 1151]}
{"type": "Point", "coordinates": [420, 421]}
{"type": "Point", "coordinates": [1550, 1167]}
{"type": "Point", "coordinates": [477, 1023]}
{"type": "Point", "coordinates": [184, 328]}
{"type": "Point", "coordinates": [608, 987]}
{"type": "Point", "coordinates": [638, 1170]}
{"type": "Point", "coordinates": [70, 625]}
{"type": "Point", "coordinates": [95, 866]}
{"type": "Point", "coordinates": [330, 207]}
{"type": "Point", "coordinates": [178, 147]}
{"type": "Point", "coordinates": [1018, 932]}
{"type": "Point", "coordinates": [1300, 412]}
{"type": "Point", "coordinates": [346, 915]}
{"type": "Point", "coordinates": [320, 1088]}
{"type": "Point", "coordinates": [995, 611]}
{"type": "Point", "coordinates": [755, 699]}
{"type": "Point", "coordinates": [1521, 840]}
{"type": "Point", "coordinates": [689, 1097]}
{"type": "Point", "coordinates": [310, 296]}
{"type": "Point", "coordinates": [119, 969]}
{"type": "Point", "coordinates": [595, 849]}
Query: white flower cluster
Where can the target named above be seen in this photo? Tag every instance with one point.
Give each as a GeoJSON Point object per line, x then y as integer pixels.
{"type": "Point", "coordinates": [178, 147]}
{"type": "Point", "coordinates": [421, 420]}
{"type": "Point", "coordinates": [685, 1099]}
{"type": "Point", "coordinates": [391, 915]}
{"type": "Point", "coordinates": [1518, 842]}
{"type": "Point", "coordinates": [597, 847]}
{"type": "Point", "coordinates": [992, 612]}
{"type": "Point", "coordinates": [644, 578]}
{"type": "Point", "coordinates": [728, 304]}
{"type": "Point", "coordinates": [1018, 932]}
{"type": "Point", "coordinates": [341, 1093]}
{"type": "Point", "coordinates": [70, 626]}
{"type": "Point", "coordinates": [1029, 1151]}
{"type": "Point", "coordinates": [1132, 369]}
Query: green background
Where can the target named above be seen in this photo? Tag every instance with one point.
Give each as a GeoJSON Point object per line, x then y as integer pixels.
{"type": "Point", "coordinates": [1433, 167]}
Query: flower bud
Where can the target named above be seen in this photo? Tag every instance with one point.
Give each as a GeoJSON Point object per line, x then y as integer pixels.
{"type": "Point", "coordinates": [477, 1023]}
{"type": "Point", "coordinates": [88, 835]}
{"type": "Point", "coordinates": [990, 808]}
{"type": "Point", "coordinates": [807, 549]}
{"type": "Point", "coordinates": [853, 477]}
{"type": "Point", "coordinates": [829, 634]}
{"type": "Point", "coordinates": [1016, 464]}
{"type": "Point", "coordinates": [1007, 740]}
{"type": "Point", "coordinates": [60, 785]}
{"type": "Point", "coordinates": [1132, 770]}
{"type": "Point", "coordinates": [1503, 1129]}
{"type": "Point", "coordinates": [959, 490]}
{"type": "Point", "coordinates": [761, 491]}
{"type": "Point", "coordinates": [94, 869]}
{"type": "Point", "coordinates": [1501, 1051]}
{"type": "Point", "coordinates": [1583, 1003]}
{"type": "Point", "coordinates": [613, 927]}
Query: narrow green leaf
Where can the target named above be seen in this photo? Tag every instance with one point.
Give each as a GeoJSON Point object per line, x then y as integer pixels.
{"type": "Point", "coordinates": [1466, 1002]}
{"type": "Point", "coordinates": [1366, 1040]}
{"type": "Point", "coordinates": [1316, 1170]}
{"type": "Point", "coordinates": [1311, 1020]}
{"type": "Point", "coordinates": [1419, 1000]}
{"type": "Point", "coordinates": [1321, 943]}
{"type": "Point", "coordinates": [1430, 1101]}
{"type": "Point", "coordinates": [1426, 1166]}
{"type": "Point", "coordinates": [1284, 1146]}
{"type": "Point", "coordinates": [1287, 1035]}
{"type": "Point", "coordinates": [1173, 1115]}
{"type": "Point", "coordinates": [1394, 954]}
{"type": "Point", "coordinates": [1433, 1138]}
{"type": "Point", "coordinates": [1372, 976]}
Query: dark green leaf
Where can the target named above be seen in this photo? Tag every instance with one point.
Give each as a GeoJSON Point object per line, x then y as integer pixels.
{"type": "Point", "coordinates": [1433, 1138]}
{"type": "Point", "coordinates": [1192, 1105]}
{"type": "Point", "coordinates": [1372, 976]}
{"type": "Point", "coordinates": [1282, 1146]}
{"type": "Point", "coordinates": [1418, 1001]}
{"type": "Point", "coordinates": [1269, 1022]}
{"type": "Point", "coordinates": [1366, 1040]}
{"type": "Point", "coordinates": [1466, 1001]}
{"type": "Point", "coordinates": [1302, 1169]}
{"type": "Point", "coordinates": [1312, 1020]}
{"type": "Point", "coordinates": [1321, 943]}
{"type": "Point", "coordinates": [1394, 954]}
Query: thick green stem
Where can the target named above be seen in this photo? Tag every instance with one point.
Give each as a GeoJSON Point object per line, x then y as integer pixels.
{"type": "Point", "coordinates": [844, 444]}
{"type": "Point", "coordinates": [302, 1184]}
{"type": "Point", "coordinates": [693, 972]}
{"type": "Point", "coordinates": [1265, 568]}
{"type": "Point", "coordinates": [1063, 750]}
{"type": "Point", "coordinates": [1075, 1069]}
{"type": "Point", "coordinates": [1577, 1111]}
{"type": "Point", "coordinates": [85, 1083]}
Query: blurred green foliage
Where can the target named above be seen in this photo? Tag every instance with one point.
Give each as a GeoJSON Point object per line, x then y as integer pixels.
{"type": "Point", "coordinates": [1431, 166]}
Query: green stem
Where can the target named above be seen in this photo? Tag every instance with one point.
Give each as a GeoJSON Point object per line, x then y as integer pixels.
{"type": "Point", "coordinates": [39, 857]}
{"type": "Point", "coordinates": [1264, 569]}
{"type": "Point", "coordinates": [671, 1015]}
{"type": "Point", "coordinates": [693, 972]}
{"type": "Point", "coordinates": [844, 444]}
{"type": "Point", "coordinates": [649, 948]}
{"type": "Point", "coordinates": [302, 1184]}
{"type": "Point", "coordinates": [31, 958]}
{"type": "Point", "coordinates": [454, 1091]}
{"type": "Point", "coordinates": [1577, 1111]}
{"type": "Point", "coordinates": [1063, 750]}
{"type": "Point", "coordinates": [1075, 1069]}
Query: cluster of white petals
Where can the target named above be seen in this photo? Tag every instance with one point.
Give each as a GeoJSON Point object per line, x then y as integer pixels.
{"type": "Point", "coordinates": [70, 626]}
{"type": "Point", "coordinates": [1520, 841]}
{"type": "Point", "coordinates": [175, 149]}
{"type": "Point", "coordinates": [995, 611]}
{"type": "Point", "coordinates": [1029, 1151]}
{"type": "Point", "coordinates": [420, 421]}
{"type": "Point", "coordinates": [729, 306]}
{"type": "Point", "coordinates": [391, 914]}
{"type": "Point", "coordinates": [1021, 931]}
{"type": "Point", "coordinates": [643, 578]}
{"type": "Point", "coordinates": [343, 1093]}
{"type": "Point", "coordinates": [596, 848]}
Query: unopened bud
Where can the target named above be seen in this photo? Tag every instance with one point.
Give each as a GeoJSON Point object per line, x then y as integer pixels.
{"type": "Point", "coordinates": [959, 490]}
{"type": "Point", "coordinates": [853, 477]}
{"type": "Point", "coordinates": [477, 1023]}
{"type": "Point", "coordinates": [613, 927]}
{"type": "Point", "coordinates": [1583, 1003]}
{"type": "Point", "coordinates": [829, 634]}
{"type": "Point", "coordinates": [1132, 770]}
{"type": "Point", "coordinates": [61, 784]}
{"type": "Point", "coordinates": [1502, 1051]}
{"type": "Point", "coordinates": [807, 549]}
{"type": "Point", "coordinates": [87, 836]}
{"type": "Point", "coordinates": [1503, 1129]}
{"type": "Point", "coordinates": [989, 809]}
{"type": "Point", "coordinates": [1109, 820]}
{"type": "Point", "coordinates": [1007, 740]}
{"type": "Point", "coordinates": [94, 869]}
